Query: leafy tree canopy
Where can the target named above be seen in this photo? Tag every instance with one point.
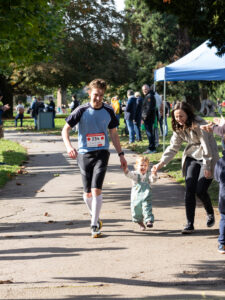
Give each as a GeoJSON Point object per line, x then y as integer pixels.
{"type": "Point", "coordinates": [203, 18]}
{"type": "Point", "coordinates": [29, 30]}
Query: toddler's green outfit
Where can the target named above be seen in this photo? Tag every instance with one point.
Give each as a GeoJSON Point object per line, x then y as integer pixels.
{"type": "Point", "coordinates": [141, 197]}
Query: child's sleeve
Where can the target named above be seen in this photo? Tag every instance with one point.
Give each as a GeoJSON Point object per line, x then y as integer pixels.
{"type": "Point", "coordinates": [153, 178]}
{"type": "Point", "coordinates": [219, 130]}
{"type": "Point", "coordinates": [132, 175]}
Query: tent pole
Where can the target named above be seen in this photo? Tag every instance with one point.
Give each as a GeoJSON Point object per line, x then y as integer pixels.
{"type": "Point", "coordinates": [164, 112]}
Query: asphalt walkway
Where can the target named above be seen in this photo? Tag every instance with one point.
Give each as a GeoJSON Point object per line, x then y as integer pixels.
{"type": "Point", "coordinates": [47, 251]}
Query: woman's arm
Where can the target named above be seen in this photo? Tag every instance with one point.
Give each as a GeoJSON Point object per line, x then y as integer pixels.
{"type": "Point", "coordinates": [170, 152]}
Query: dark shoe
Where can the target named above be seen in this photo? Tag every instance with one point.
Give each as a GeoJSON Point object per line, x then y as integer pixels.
{"type": "Point", "coordinates": [189, 228]}
{"type": "Point", "coordinates": [221, 248]}
{"type": "Point", "coordinates": [210, 220]}
{"type": "Point", "coordinates": [149, 224]}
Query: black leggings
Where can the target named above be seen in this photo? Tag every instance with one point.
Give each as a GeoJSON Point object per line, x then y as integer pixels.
{"type": "Point", "coordinates": [196, 184]}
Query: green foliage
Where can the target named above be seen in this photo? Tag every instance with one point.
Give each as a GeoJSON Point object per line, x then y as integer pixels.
{"type": "Point", "coordinates": [90, 48]}
{"type": "Point", "coordinates": [203, 18]}
{"type": "Point", "coordinates": [29, 31]}
{"type": "Point", "coordinates": [150, 40]}
{"type": "Point", "coordinates": [13, 155]}
{"type": "Point", "coordinates": [218, 91]}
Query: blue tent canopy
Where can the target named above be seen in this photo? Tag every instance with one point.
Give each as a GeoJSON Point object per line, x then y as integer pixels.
{"type": "Point", "coordinates": [200, 64]}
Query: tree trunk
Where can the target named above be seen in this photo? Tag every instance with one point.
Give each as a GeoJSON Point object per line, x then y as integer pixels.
{"type": "Point", "coordinates": [7, 92]}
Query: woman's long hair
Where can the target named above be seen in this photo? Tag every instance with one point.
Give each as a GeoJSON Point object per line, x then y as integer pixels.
{"type": "Point", "coordinates": [190, 116]}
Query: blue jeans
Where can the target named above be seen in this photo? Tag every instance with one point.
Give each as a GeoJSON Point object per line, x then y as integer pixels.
{"type": "Point", "coordinates": [161, 125]}
{"type": "Point", "coordinates": [19, 116]}
{"type": "Point", "coordinates": [149, 128]}
{"type": "Point", "coordinates": [221, 238]}
{"type": "Point", "coordinates": [137, 129]}
{"type": "Point", "coordinates": [130, 126]}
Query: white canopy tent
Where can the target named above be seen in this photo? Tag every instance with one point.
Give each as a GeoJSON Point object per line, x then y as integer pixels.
{"type": "Point", "coordinates": [200, 64]}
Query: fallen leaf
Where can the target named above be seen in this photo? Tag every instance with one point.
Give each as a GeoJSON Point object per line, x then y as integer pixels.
{"type": "Point", "coordinates": [50, 221]}
{"type": "Point", "coordinates": [46, 214]}
{"type": "Point", "coordinates": [56, 175]}
{"type": "Point", "coordinates": [5, 281]}
{"type": "Point", "coordinates": [39, 191]}
{"type": "Point", "coordinates": [18, 183]}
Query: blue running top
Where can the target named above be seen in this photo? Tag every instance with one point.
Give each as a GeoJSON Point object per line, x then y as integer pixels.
{"type": "Point", "coordinates": [93, 125]}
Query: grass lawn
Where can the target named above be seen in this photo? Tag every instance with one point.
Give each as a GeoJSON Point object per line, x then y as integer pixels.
{"type": "Point", "coordinates": [13, 155]}
{"type": "Point", "coordinates": [13, 165]}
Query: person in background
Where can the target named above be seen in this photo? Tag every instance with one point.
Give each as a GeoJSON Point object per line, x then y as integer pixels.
{"type": "Point", "coordinates": [198, 161]}
{"type": "Point", "coordinates": [36, 106]}
{"type": "Point", "coordinates": [158, 100]}
{"type": "Point", "coordinates": [3, 108]}
{"type": "Point", "coordinates": [115, 103]}
{"type": "Point", "coordinates": [137, 120]}
{"type": "Point", "coordinates": [51, 108]}
{"type": "Point", "coordinates": [129, 115]}
{"type": "Point", "coordinates": [148, 116]}
{"type": "Point", "coordinates": [75, 102]}
{"type": "Point", "coordinates": [20, 113]}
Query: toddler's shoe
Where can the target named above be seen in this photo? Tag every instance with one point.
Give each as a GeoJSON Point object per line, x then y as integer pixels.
{"type": "Point", "coordinates": [142, 226]}
{"type": "Point", "coordinates": [149, 224]}
{"type": "Point", "coordinates": [221, 249]}
{"type": "Point", "coordinates": [210, 220]}
{"type": "Point", "coordinates": [189, 228]}
{"type": "Point", "coordinates": [95, 232]}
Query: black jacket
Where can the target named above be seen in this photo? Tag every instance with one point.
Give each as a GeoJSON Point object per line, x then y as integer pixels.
{"type": "Point", "coordinates": [149, 107]}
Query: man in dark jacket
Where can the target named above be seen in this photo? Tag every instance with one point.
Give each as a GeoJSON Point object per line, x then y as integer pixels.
{"type": "Point", "coordinates": [148, 116]}
{"type": "Point", "coordinates": [129, 115]}
{"type": "Point", "coordinates": [137, 123]}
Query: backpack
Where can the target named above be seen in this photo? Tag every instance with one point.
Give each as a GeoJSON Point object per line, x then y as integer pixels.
{"type": "Point", "coordinates": [21, 110]}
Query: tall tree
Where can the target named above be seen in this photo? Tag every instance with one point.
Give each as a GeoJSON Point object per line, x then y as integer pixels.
{"type": "Point", "coordinates": [203, 18]}
{"type": "Point", "coordinates": [28, 34]}
{"type": "Point", "coordinates": [91, 48]}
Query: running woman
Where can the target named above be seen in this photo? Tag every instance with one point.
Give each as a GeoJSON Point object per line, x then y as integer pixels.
{"type": "Point", "coordinates": [95, 119]}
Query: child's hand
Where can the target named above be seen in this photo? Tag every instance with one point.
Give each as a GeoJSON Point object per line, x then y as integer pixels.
{"type": "Point", "coordinates": [219, 121]}
{"type": "Point", "coordinates": [208, 127]}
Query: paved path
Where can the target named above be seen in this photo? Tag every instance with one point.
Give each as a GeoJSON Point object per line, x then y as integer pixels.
{"type": "Point", "coordinates": [47, 252]}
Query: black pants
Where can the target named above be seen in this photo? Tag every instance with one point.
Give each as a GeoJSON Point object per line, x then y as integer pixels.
{"type": "Point", "coordinates": [93, 166]}
{"type": "Point", "coordinates": [196, 184]}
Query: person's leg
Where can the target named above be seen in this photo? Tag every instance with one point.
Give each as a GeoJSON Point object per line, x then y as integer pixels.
{"type": "Point", "coordinates": [192, 170]}
{"type": "Point", "coordinates": [16, 119]}
{"type": "Point", "coordinates": [221, 238]}
{"type": "Point", "coordinates": [136, 212]}
{"type": "Point", "coordinates": [161, 124]}
{"type": "Point", "coordinates": [166, 126]}
{"type": "Point", "coordinates": [202, 193]}
{"type": "Point", "coordinates": [130, 126]}
{"type": "Point", "coordinates": [147, 211]}
{"type": "Point", "coordinates": [21, 120]}
{"type": "Point", "coordinates": [150, 134]}
{"type": "Point", "coordinates": [99, 171]}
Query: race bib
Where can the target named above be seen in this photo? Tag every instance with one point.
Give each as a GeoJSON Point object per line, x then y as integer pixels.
{"type": "Point", "coordinates": [95, 140]}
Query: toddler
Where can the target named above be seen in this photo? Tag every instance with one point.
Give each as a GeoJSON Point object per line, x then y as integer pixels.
{"type": "Point", "coordinates": [141, 193]}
